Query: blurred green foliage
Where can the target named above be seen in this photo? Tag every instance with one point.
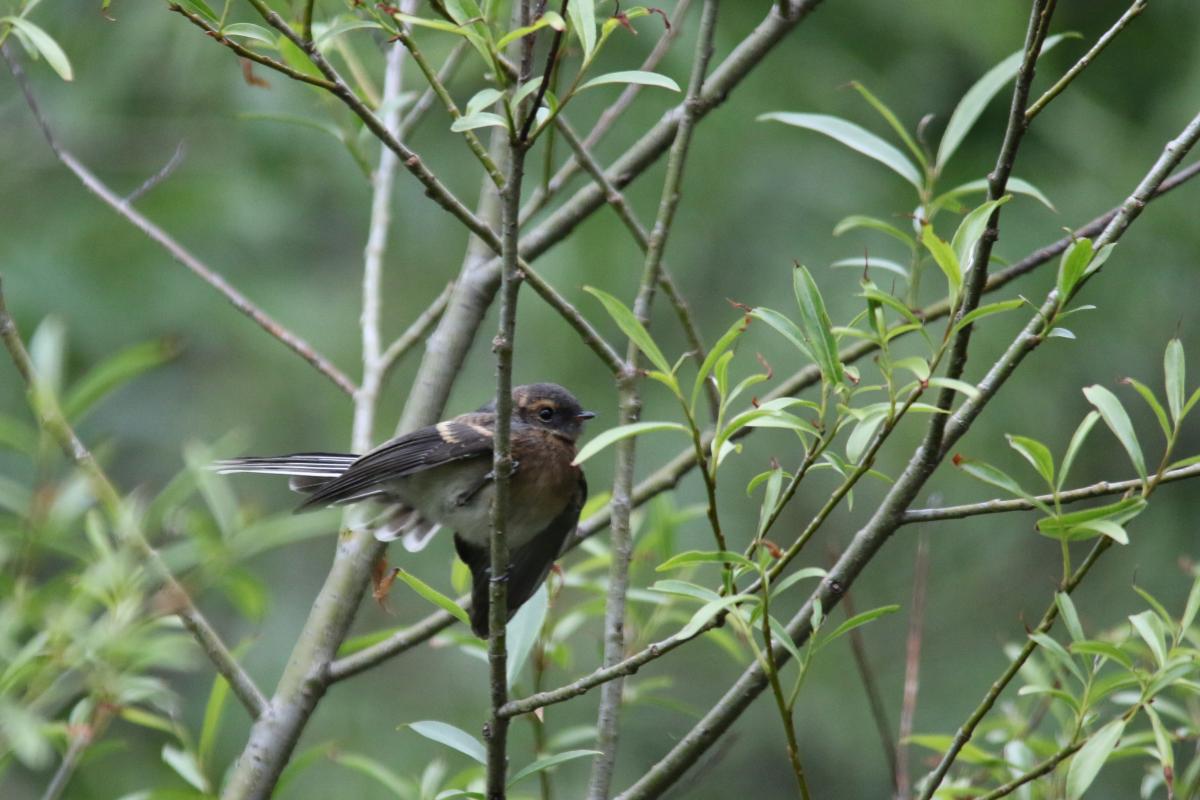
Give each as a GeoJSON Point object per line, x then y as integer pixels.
{"type": "Point", "coordinates": [281, 211]}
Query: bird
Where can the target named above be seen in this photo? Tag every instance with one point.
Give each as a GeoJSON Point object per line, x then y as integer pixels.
{"type": "Point", "coordinates": [441, 476]}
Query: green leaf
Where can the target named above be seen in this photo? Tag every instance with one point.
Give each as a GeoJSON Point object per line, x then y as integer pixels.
{"type": "Point", "coordinates": [185, 765]}
{"type": "Point", "coordinates": [1101, 256]}
{"type": "Point", "coordinates": [1086, 764]}
{"type": "Point", "coordinates": [1162, 738]}
{"type": "Point", "coordinates": [861, 436]}
{"type": "Point", "coordinates": [986, 311]}
{"type": "Point", "coordinates": [1036, 454]}
{"type": "Point", "coordinates": [1072, 265]}
{"type": "Point", "coordinates": [943, 255]}
{"type": "Point", "coordinates": [976, 99]}
{"type": "Point", "coordinates": [1160, 413]}
{"type": "Point", "coordinates": [861, 221]}
{"type": "Point", "coordinates": [613, 435]}
{"type": "Point", "coordinates": [114, 372]}
{"type": "Point", "coordinates": [953, 383]}
{"type": "Point", "coordinates": [1093, 647]}
{"type": "Point", "coordinates": [724, 343]}
{"type": "Point", "coordinates": [797, 576]}
{"type": "Point", "coordinates": [891, 119]}
{"type": "Point", "coordinates": [481, 119]}
{"type": "Point", "coordinates": [685, 589]}
{"type": "Point", "coordinates": [1193, 606]}
{"type": "Point", "coordinates": [547, 762]}
{"type": "Point", "coordinates": [344, 26]}
{"type": "Point", "coordinates": [1176, 379]}
{"type": "Point", "coordinates": [1099, 520]}
{"type": "Point", "coordinates": [640, 77]}
{"type": "Point", "coordinates": [1077, 440]}
{"type": "Point", "coordinates": [248, 30]}
{"type": "Point", "coordinates": [523, 630]}
{"type": "Point", "coordinates": [852, 136]}
{"type": "Point", "coordinates": [859, 262]}
{"type": "Point", "coordinates": [790, 330]}
{"type": "Point", "coordinates": [1014, 185]}
{"type": "Point", "coordinates": [706, 612]}
{"type": "Point", "coordinates": [988, 474]}
{"type": "Point", "coordinates": [485, 98]}
{"type": "Point", "coordinates": [447, 734]}
{"type": "Point", "coordinates": [1066, 608]}
{"type": "Point", "coordinates": [859, 620]}
{"type": "Point", "coordinates": [631, 327]}
{"type": "Point", "coordinates": [970, 231]}
{"type": "Point", "coordinates": [769, 501]}
{"type": "Point", "coordinates": [970, 753]}
{"type": "Point", "coordinates": [548, 18]}
{"type": "Point", "coordinates": [381, 774]}
{"type": "Point", "coordinates": [434, 596]}
{"type": "Point", "coordinates": [44, 44]}
{"type": "Point", "coordinates": [1058, 654]}
{"type": "Point", "coordinates": [582, 14]}
{"type": "Point", "coordinates": [693, 557]}
{"type": "Point", "coordinates": [1114, 416]}
{"type": "Point", "coordinates": [1149, 627]}
{"type": "Point", "coordinates": [815, 324]}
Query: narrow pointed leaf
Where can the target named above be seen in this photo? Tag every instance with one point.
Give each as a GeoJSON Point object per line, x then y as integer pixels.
{"type": "Point", "coordinates": [1113, 414]}
{"type": "Point", "coordinates": [815, 324]}
{"type": "Point", "coordinates": [613, 435]}
{"type": "Point", "coordinates": [434, 596]}
{"type": "Point", "coordinates": [1036, 454]}
{"type": "Point", "coordinates": [855, 221]}
{"type": "Point", "coordinates": [1086, 764]}
{"type": "Point", "coordinates": [854, 137]}
{"type": "Point", "coordinates": [45, 45]}
{"type": "Point", "coordinates": [976, 99]}
{"type": "Point", "coordinates": [971, 229]}
{"type": "Point", "coordinates": [548, 762]}
{"type": "Point", "coordinates": [943, 256]}
{"type": "Point", "coordinates": [1077, 440]}
{"type": "Point", "coordinates": [631, 327]}
{"type": "Point", "coordinates": [1176, 379]}
{"type": "Point", "coordinates": [640, 77]}
{"type": "Point", "coordinates": [447, 734]}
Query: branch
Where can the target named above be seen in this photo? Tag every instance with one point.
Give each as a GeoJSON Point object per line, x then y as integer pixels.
{"type": "Point", "coordinates": [1044, 768]}
{"type": "Point", "coordinates": [462, 320]}
{"type": "Point", "coordinates": [886, 519]}
{"type": "Point", "coordinates": [495, 732]}
{"type": "Point", "coordinates": [247, 53]}
{"type": "Point", "coordinates": [50, 417]}
{"type": "Point", "coordinates": [621, 535]}
{"type": "Point", "coordinates": [1101, 489]}
{"type": "Point", "coordinates": [425, 102]}
{"type": "Point", "coordinates": [434, 188]}
{"type": "Point", "coordinates": [1054, 91]}
{"type": "Point", "coordinates": [912, 667]}
{"type": "Point", "coordinates": [176, 250]}
{"type": "Point", "coordinates": [611, 114]}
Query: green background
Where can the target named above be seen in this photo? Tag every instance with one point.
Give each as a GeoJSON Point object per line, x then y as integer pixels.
{"type": "Point", "coordinates": [282, 212]}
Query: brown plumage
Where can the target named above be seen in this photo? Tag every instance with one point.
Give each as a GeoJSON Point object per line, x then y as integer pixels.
{"type": "Point", "coordinates": [441, 476]}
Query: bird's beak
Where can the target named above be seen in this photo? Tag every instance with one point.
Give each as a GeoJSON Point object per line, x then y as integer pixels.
{"type": "Point", "coordinates": [585, 415]}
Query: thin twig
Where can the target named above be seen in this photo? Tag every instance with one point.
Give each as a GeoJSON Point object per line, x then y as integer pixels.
{"type": "Point", "coordinates": [462, 320]}
{"type": "Point", "coordinates": [1044, 768]}
{"type": "Point", "coordinates": [571, 315]}
{"type": "Point", "coordinates": [174, 248]}
{"type": "Point", "coordinates": [1054, 91]}
{"type": "Point", "coordinates": [608, 118]}
{"type": "Point", "coordinates": [912, 666]}
{"type": "Point", "coordinates": [496, 730]}
{"type": "Point", "coordinates": [154, 180]}
{"type": "Point", "coordinates": [642, 237]}
{"type": "Point", "coordinates": [621, 537]}
{"type": "Point", "coordinates": [425, 102]}
{"type": "Point", "coordinates": [434, 188]}
{"type": "Point", "coordinates": [998, 506]}
{"type": "Point", "coordinates": [52, 420]}
{"type": "Point", "coordinates": [247, 53]}
{"type": "Point", "coordinates": [366, 399]}
{"type": "Point", "coordinates": [963, 735]}
{"type": "Point", "coordinates": [442, 93]}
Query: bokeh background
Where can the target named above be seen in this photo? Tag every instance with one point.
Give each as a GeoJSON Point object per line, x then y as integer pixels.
{"type": "Point", "coordinates": [282, 212]}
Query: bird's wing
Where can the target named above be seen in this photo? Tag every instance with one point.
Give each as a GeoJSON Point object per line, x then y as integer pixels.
{"type": "Point", "coordinates": [528, 565]}
{"type": "Point", "coordinates": [467, 436]}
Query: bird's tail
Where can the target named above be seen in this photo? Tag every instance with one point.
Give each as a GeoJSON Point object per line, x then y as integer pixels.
{"type": "Point", "coordinates": [309, 471]}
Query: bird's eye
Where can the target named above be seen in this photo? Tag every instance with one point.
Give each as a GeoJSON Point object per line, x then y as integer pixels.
{"type": "Point", "coordinates": [546, 414]}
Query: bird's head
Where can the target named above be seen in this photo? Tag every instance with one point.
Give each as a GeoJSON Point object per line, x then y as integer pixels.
{"type": "Point", "coordinates": [548, 405]}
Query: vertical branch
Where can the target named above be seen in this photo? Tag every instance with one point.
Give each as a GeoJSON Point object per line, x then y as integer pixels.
{"type": "Point", "coordinates": [621, 538]}
{"type": "Point", "coordinates": [366, 399]}
{"type": "Point", "coordinates": [496, 731]}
